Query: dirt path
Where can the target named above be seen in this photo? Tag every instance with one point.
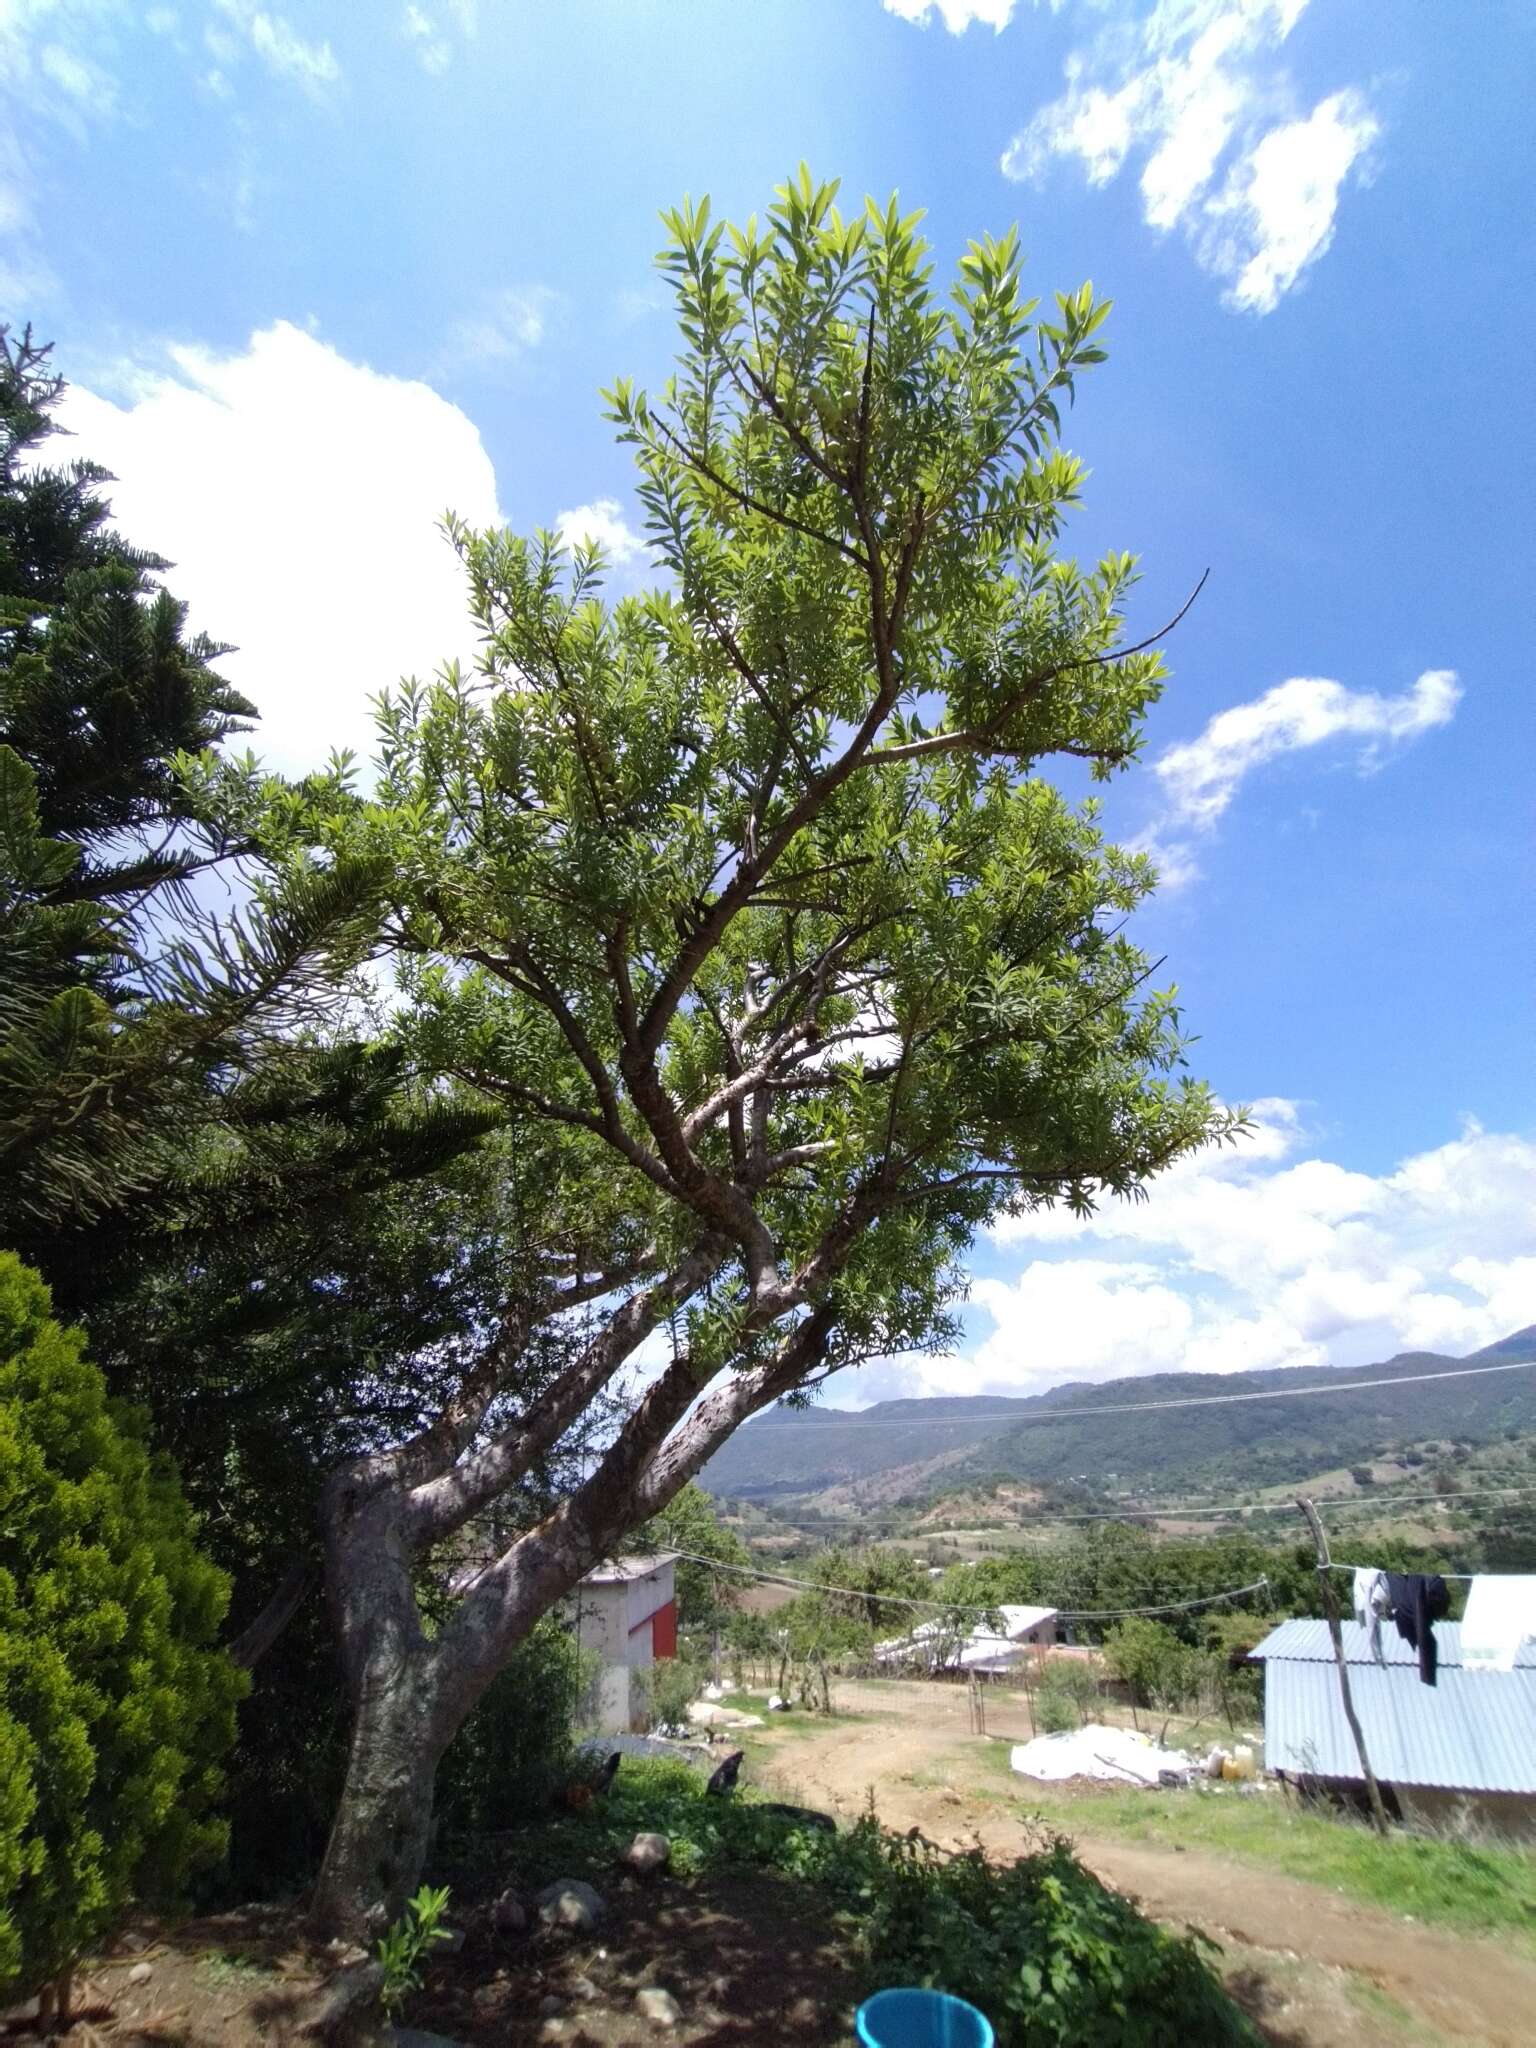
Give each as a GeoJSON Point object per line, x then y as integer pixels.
{"type": "Point", "coordinates": [1318, 1968]}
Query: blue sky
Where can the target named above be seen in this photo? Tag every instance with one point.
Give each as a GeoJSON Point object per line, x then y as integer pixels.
{"type": "Point", "coordinates": [320, 271]}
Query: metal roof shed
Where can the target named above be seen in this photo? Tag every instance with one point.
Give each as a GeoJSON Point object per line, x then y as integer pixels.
{"type": "Point", "coordinates": [1471, 1738]}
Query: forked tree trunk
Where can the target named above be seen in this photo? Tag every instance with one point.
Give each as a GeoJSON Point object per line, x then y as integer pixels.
{"type": "Point", "coordinates": [410, 1694]}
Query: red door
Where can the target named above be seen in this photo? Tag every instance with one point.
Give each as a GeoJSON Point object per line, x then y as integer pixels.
{"type": "Point", "coordinates": [664, 1631]}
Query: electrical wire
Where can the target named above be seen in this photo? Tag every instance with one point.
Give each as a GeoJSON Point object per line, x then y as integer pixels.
{"type": "Point", "coordinates": [812, 1526]}
{"type": "Point", "coordinates": [962, 1607]}
{"type": "Point", "coordinates": [1074, 1414]}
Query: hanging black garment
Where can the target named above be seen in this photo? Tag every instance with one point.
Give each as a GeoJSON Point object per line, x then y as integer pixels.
{"type": "Point", "coordinates": [1419, 1600]}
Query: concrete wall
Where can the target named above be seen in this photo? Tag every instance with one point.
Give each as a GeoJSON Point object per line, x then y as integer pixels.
{"type": "Point", "coordinates": [610, 1615]}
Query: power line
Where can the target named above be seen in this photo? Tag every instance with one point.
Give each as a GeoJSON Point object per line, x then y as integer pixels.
{"type": "Point", "coordinates": [962, 1607]}
{"type": "Point", "coordinates": [810, 1525]}
{"type": "Point", "coordinates": [1074, 1414]}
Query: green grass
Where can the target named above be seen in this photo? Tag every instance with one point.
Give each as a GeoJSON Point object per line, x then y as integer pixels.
{"type": "Point", "coordinates": [1478, 1888]}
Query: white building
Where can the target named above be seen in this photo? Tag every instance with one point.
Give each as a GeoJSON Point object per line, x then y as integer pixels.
{"type": "Point", "coordinates": [627, 1613]}
{"type": "Point", "coordinates": [987, 1650]}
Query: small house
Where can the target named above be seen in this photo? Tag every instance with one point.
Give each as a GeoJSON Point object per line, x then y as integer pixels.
{"type": "Point", "coordinates": [988, 1651]}
{"type": "Point", "coordinates": [1465, 1745]}
{"type": "Point", "coordinates": [626, 1613]}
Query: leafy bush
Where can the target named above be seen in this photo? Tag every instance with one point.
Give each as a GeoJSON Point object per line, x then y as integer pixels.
{"type": "Point", "coordinates": [1043, 1949]}
{"type": "Point", "coordinates": [118, 1706]}
{"type": "Point", "coordinates": [1040, 1946]}
{"type": "Point", "coordinates": [1055, 1709]}
{"type": "Point", "coordinates": [515, 1749]}
{"type": "Point", "coordinates": [665, 1690]}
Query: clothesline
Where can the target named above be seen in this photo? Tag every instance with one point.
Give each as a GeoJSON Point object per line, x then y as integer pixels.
{"type": "Point", "coordinates": [958, 1607]}
{"type": "Point", "coordinates": [1438, 1573]}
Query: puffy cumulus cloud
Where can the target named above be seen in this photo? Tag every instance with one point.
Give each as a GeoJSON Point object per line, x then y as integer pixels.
{"type": "Point", "coordinates": [956, 15]}
{"type": "Point", "coordinates": [602, 521]}
{"type": "Point", "coordinates": [1199, 778]}
{"type": "Point", "coordinates": [1263, 1254]}
{"type": "Point", "coordinates": [1195, 89]}
{"type": "Point", "coordinates": [298, 496]}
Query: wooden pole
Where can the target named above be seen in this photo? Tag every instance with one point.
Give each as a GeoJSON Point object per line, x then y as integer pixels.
{"type": "Point", "coordinates": [1331, 1609]}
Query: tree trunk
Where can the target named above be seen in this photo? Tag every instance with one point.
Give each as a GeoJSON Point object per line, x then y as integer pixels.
{"type": "Point", "coordinates": [378, 1845]}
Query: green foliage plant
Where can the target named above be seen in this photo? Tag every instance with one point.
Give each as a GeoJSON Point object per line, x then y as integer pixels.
{"type": "Point", "coordinates": [406, 1944]}
{"type": "Point", "coordinates": [752, 898]}
{"type": "Point", "coordinates": [116, 1705]}
{"type": "Point", "coordinates": [1051, 1956]}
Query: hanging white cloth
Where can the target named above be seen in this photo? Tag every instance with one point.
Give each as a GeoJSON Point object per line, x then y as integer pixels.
{"type": "Point", "coordinates": [1372, 1603]}
{"type": "Point", "coordinates": [1501, 1613]}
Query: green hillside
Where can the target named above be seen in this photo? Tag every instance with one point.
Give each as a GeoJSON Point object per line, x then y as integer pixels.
{"type": "Point", "coordinates": [925, 1447]}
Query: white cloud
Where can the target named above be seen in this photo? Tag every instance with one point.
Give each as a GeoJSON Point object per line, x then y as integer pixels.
{"type": "Point", "coordinates": [512, 322]}
{"type": "Point", "coordinates": [298, 495]}
{"type": "Point", "coordinates": [83, 82]}
{"type": "Point", "coordinates": [433, 51]}
{"type": "Point", "coordinates": [280, 46]}
{"type": "Point", "coordinates": [1200, 777]}
{"type": "Point", "coordinates": [1196, 88]}
{"type": "Point", "coordinates": [1275, 213]}
{"type": "Point", "coordinates": [956, 15]}
{"type": "Point", "coordinates": [603, 521]}
{"type": "Point", "coordinates": [1264, 1254]}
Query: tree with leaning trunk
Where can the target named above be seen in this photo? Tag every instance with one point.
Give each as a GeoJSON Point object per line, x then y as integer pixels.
{"type": "Point", "coordinates": [746, 899]}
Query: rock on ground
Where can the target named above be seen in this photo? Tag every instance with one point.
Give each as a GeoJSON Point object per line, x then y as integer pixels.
{"type": "Point", "coordinates": [568, 1902]}
{"type": "Point", "coordinates": [648, 1852]}
{"type": "Point", "coordinates": [658, 2006]}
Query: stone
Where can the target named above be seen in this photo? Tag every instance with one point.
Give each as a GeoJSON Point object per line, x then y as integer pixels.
{"type": "Point", "coordinates": [555, 2030]}
{"type": "Point", "coordinates": [448, 1941]}
{"type": "Point", "coordinates": [134, 1943]}
{"type": "Point", "coordinates": [485, 1996]}
{"type": "Point", "coordinates": [648, 1853]}
{"type": "Point", "coordinates": [658, 2006]}
{"type": "Point", "coordinates": [568, 1902]}
{"type": "Point", "coordinates": [141, 1973]}
{"type": "Point", "coordinates": [549, 2005]}
{"type": "Point", "coordinates": [584, 1989]}
{"type": "Point", "coordinates": [508, 1914]}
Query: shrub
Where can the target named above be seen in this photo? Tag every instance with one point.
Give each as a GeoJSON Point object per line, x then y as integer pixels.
{"type": "Point", "coordinates": [665, 1690]}
{"type": "Point", "coordinates": [1055, 1708]}
{"type": "Point", "coordinates": [1040, 1946]}
{"type": "Point", "coordinates": [118, 1706]}
{"type": "Point", "coordinates": [1043, 1949]}
{"type": "Point", "coordinates": [515, 1749]}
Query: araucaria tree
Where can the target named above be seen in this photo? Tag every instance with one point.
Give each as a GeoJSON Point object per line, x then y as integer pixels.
{"type": "Point", "coordinates": [748, 901]}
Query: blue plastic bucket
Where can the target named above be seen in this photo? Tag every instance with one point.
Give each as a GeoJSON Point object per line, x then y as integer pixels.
{"type": "Point", "coordinates": [921, 2019]}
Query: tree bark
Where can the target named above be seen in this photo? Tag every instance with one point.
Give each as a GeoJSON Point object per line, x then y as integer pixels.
{"type": "Point", "coordinates": [378, 1843]}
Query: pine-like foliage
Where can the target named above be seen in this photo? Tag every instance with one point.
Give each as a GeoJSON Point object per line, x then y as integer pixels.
{"type": "Point", "coordinates": [132, 1020]}
{"type": "Point", "coordinates": [115, 1706]}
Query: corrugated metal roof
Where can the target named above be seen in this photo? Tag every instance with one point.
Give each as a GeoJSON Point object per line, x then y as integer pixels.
{"type": "Point", "coordinates": [624, 1571]}
{"type": "Point", "coordinates": [1310, 1642]}
{"type": "Point", "coordinates": [1474, 1731]}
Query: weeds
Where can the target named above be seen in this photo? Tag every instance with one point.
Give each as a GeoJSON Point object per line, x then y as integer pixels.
{"type": "Point", "coordinates": [412, 1937]}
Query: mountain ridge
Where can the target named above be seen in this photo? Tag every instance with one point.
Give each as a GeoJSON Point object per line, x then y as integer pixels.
{"type": "Point", "coordinates": [798, 1453]}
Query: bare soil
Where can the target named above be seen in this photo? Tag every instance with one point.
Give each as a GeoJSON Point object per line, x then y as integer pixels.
{"type": "Point", "coordinates": [1312, 1966]}
{"type": "Point", "coordinates": [739, 1955]}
